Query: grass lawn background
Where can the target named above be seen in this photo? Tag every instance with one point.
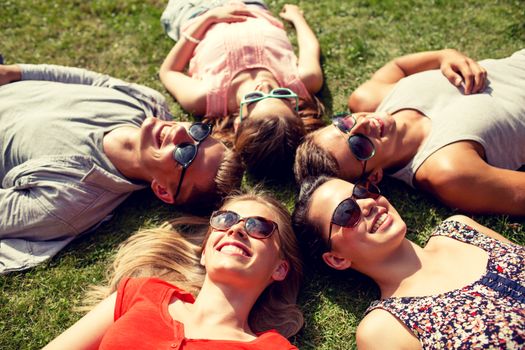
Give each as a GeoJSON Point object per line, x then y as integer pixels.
{"type": "Point", "coordinates": [125, 39]}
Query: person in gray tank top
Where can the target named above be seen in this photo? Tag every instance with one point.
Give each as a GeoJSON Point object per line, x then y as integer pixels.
{"type": "Point", "coordinates": [76, 143]}
{"type": "Point", "coordinates": [438, 121]}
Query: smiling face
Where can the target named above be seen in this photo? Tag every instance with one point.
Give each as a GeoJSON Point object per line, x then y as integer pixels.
{"type": "Point", "coordinates": [378, 127]}
{"type": "Point", "coordinates": [232, 256]}
{"type": "Point", "coordinates": [158, 140]}
{"type": "Point", "coordinates": [379, 230]}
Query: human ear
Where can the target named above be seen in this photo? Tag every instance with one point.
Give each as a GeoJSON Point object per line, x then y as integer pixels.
{"type": "Point", "coordinates": [203, 259]}
{"type": "Point", "coordinates": [376, 175]}
{"type": "Point", "coordinates": [336, 262]}
{"type": "Point", "coordinates": [161, 192]}
{"type": "Point", "coordinates": [281, 271]}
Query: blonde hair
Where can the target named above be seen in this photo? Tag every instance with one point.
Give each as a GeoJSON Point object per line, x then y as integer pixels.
{"type": "Point", "coordinates": [172, 252]}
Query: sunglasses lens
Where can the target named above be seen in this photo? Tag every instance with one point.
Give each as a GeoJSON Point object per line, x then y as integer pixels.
{"type": "Point", "coordinates": [223, 220]}
{"type": "Point", "coordinates": [366, 191]}
{"type": "Point", "coordinates": [344, 124]}
{"type": "Point", "coordinates": [347, 213]}
{"type": "Point", "coordinates": [253, 96]}
{"type": "Point", "coordinates": [282, 92]}
{"type": "Point", "coordinates": [259, 227]}
{"type": "Point", "coordinates": [361, 147]}
{"type": "Point", "coordinates": [185, 153]}
{"type": "Point", "coordinates": [199, 131]}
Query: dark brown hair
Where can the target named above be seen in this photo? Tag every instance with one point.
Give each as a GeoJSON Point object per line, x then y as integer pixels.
{"type": "Point", "coordinates": [313, 160]}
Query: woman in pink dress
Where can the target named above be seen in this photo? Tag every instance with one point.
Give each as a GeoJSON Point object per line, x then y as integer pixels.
{"type": "Point", "coordinates": [244, 77]}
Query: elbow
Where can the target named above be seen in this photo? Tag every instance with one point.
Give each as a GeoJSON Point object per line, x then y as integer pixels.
{"type": "Point", "coordinates": [361, 101]}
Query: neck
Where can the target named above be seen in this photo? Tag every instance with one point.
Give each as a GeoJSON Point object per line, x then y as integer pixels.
{"type": "Point", "coordinates": [121, 146]}
{"type": "Point", "coordinates": [395, 268]}
{"type": "Point", "coordinates": [218, 305]}
{"type": "Point", "coordinates": [412, 131]}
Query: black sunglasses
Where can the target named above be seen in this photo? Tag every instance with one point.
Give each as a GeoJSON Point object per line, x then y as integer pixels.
{"type": "Point", "coordinates": [185, 153]}
{"type": "Point", "coordinates": [360, 145]}
{"type": "Point", "coordinates": [348, 213]}
{"type": "Point", "coordinates": [255, 226]}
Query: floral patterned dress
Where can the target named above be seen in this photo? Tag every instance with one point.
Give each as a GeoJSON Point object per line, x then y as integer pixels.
{"type": "Point", "coordinates": [488, 313]}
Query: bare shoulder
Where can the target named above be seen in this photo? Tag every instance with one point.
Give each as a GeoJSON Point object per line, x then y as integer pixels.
{"type": "Point", "coordinates": [478, 227]}
{"type": "Point", "coordinates": [381, 330]}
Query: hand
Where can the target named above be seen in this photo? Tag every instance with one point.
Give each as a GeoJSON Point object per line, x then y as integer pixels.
{"type": "Point", "coordinates": [460, 69]}
{"type": "Point", "coordinates": [229, 14]}
{"type": "Point", "coordinates": [291, 12]}
{"type": "Point", "coordinates": [9, 74]}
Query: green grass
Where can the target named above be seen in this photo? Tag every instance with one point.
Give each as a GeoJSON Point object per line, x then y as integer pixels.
{"type": "Point", "coordinates": [125, 39]}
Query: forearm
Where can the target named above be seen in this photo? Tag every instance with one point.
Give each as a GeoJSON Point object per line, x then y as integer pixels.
{"type": "Point", "coordinates": [410, 64]}
{"type": "Point", "coordinates": [87, 333]}
{"type": "Point", "coordinates": [182, 51]}
{"type": "Point", "coordinates": [309, 48]}
{"type": "Point", "coordinates": [10, 73]}
{"type": "Point", "coordinates": [421, 61]}
{"type": "Point", "coordinates": [62, 74]}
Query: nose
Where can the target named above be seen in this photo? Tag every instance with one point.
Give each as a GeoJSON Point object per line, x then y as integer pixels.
{"type": "Point", "coordinates": [179, 134]}
{"type": "Point", "coordinates": [362, 125]}
{"type": "Point", "coordinates": [264, 86]}
{"type": "Point", "coordinates": [366, 205]}
{"type": "Point", "coordinates": [237, 229]}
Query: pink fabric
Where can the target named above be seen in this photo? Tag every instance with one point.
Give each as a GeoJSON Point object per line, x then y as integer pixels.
{"type": "Point", "coordinates": [230, 48]}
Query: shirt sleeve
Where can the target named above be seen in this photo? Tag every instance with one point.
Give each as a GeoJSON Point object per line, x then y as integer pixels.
{"type": "Point", "coordinates": [20, 254]}
{"type": "Point", "coordinates": [129, 291]}
{"type": "Point", "coordinates": [149, 98]}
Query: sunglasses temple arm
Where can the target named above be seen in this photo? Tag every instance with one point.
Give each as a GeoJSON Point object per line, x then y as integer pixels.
{"type": "Point", "coordinates": [180, 182]}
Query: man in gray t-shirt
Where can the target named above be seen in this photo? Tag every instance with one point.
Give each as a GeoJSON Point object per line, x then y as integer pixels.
{"type": "Point", "coordinates": [439, 121]}
{"type": "Point", "coordinates": [76, 143]}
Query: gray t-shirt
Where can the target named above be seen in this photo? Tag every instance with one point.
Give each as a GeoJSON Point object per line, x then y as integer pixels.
{"type": "Point", "coordinates": [56, 181]}
{"type": "Point", "coordinates": [61, 119]}
{"type": "Point", "coordinates": [495, 118]}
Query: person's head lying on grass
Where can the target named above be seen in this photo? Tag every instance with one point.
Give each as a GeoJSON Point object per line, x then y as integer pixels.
{"type": "Point", "coordinates": [242, 266]}
{"type": "Point", "coordinates": [430, 296]}
{"type": "Point", "coordinates": [437, 120]}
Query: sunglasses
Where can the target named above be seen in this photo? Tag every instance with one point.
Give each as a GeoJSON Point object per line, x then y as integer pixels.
{"type": "Point", "coordinates": [185, 153]}
{"type": "Point", "coordinates": [348, 213]}
{"type": "Point", "coordinates": [256, 96]}
{"type": "Point", "coordinates": [255, 226]}
{"type": "Point", "coordinates": [360, 145]}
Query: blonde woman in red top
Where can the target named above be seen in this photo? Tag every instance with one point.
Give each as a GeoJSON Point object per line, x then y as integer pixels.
{"type": "Point", "coordinates": [244, 77]}
{"type": "Point", "coordinates": [246, 283]}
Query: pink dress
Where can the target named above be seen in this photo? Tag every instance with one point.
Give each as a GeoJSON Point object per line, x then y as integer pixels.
{"type": "Point", "coordinates": [230, 48]}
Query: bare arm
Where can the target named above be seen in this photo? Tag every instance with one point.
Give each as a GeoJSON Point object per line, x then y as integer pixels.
{"type": "Point", "coordinates": [189, 92]}
{"type": "Point", "coordinates": [459, 69]}
{"type": "Point", "coordinates": [9, 74]}
{"type": "Point", "coordinates": [87, 333]}
{"type": "Point", "coordinates": [381, 330]}
{"type": "Point", "coordinates": [309, 64]}
{"type": "Point", "coordinates": [459, 177]}
{"type": "Point", "coordinates": [478, 227]}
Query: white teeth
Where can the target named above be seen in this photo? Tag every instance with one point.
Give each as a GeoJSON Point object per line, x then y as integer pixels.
{"type": "Point", "coordinates": [379, 222]}
{"type": "Point", "coordinates": [231, 249]}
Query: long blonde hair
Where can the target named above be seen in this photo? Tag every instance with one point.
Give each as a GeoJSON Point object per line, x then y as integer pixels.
{"type": "Point", "coordinates": [172, 252]}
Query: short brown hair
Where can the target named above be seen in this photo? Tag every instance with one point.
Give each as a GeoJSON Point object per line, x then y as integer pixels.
{"type": "Point", "coordinates": [267, 146]}
{"type": "Point", "coordinates": [228, 179]}
{"type": "Point", "coordinates": [313, 160]}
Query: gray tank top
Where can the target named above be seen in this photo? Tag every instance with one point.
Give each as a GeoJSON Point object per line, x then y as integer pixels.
{"type": "Point", "coordinates": [495, 118]}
